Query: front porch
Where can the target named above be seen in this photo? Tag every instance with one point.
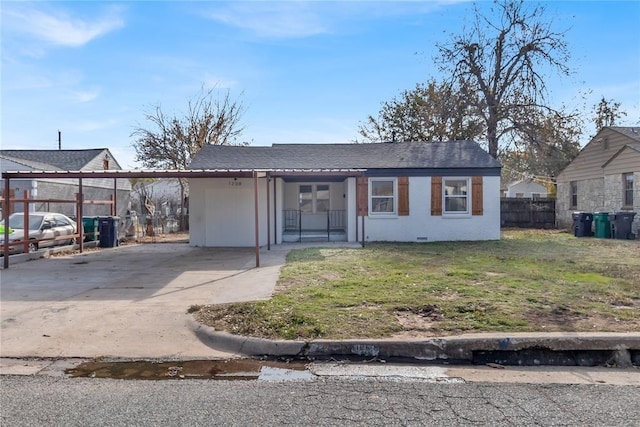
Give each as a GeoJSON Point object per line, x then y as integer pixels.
{"type": "Point", "coordinates": [300, 226]}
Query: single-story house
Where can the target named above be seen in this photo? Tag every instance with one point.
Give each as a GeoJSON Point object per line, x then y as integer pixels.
{"type": "Point", "coordinates": [97, 189]}
{"type": "Point", "coordinates": [527, 189]}
{"type": "Point", "coordinates": [405, 192]}
{"type": "Point", "coordinates": [604, 177]}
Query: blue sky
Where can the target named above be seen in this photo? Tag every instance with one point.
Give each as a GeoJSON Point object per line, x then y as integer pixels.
{"type": "Point", "coordinates": [308, 71]}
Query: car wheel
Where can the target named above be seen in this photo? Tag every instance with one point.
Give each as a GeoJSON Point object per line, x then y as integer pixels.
{"type": "Point", "coordinates": [33, 247]}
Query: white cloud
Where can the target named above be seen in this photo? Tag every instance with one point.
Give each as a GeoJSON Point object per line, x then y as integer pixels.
{"type": "Point", "coordinates": [275, 20]}
{"type": "Point", "coordinates": [58, 27]}
{"type": "Point", "coordinates": [298, 18]}
{"type": "Point", "coordinates": [209, 81]}
{"type": "Point", "coordinates": [86, 95]}
{"type": "Point", "coordinates": [91, 125]}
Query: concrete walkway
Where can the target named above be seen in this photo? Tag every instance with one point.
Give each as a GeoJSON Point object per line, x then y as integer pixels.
{"type": "Point", "coordinates": [129, 301]}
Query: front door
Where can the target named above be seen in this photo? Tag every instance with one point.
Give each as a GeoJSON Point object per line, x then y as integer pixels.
{"type": "Point", "coordinates": [313, 203]}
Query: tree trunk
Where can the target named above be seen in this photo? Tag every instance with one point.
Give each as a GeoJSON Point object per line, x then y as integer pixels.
{"type": "Point", "coordinates": [492, 136]}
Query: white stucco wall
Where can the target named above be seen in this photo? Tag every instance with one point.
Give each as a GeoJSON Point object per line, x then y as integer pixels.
{"type": "Point", "coordinates": [420, 226]}
{"type": "Point", "coordinates": [222, 212]}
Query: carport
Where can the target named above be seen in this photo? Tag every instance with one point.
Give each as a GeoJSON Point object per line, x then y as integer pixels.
{"type": "Point", "coordinates": [7, 202]}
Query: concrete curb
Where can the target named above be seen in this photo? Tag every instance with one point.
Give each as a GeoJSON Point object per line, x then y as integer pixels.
{"type": "Point", "coordinates": [624, 347]}
{"type": "Point", "coordinates": [46, 253]}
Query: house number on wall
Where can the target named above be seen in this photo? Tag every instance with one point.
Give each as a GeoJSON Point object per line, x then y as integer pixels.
{"type": "Point", "coordinates": [235, 183]}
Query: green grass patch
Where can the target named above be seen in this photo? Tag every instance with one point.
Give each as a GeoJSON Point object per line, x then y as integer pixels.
{"type": "Point", "coordinates": [528, 281]}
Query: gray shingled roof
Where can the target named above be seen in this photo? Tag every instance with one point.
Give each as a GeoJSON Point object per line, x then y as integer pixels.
{"type": "Point", "coordinates": [454, 154]}
{"type": "Point", "coordinates": [631, 132]}
{"type": "Point", "coordinates": [71, 160]}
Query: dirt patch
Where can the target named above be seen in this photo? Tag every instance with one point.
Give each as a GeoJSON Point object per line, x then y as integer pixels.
{"type": "Point", "coordinates": [421, 326]}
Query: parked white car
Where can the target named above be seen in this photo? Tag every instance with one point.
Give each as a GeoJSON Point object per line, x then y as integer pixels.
{"type": "Point", "coordinates": [46, 229]}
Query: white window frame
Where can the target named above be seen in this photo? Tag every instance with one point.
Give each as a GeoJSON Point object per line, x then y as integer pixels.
{"type": "Point", "coordinates": [445, 212]}
{"type": "Point", "coordinates": [394, 181]}
{"type": "Point", "coordinates": [573, 194]}
{"type": "Point", "coordinates": [625, 190]}
{"type": "Point", "coordinates": [314, 196]}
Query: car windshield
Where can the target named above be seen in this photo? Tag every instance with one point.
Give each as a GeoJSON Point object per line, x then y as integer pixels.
{"type": "Point", "coordinates": [17, 221]}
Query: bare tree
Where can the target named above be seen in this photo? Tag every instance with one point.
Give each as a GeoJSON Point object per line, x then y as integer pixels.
{"type": "Point", "coordinates": [430, 112]}
{"type": "Point", "coordinates": [170, 141]}
{"type": "Point", "coordinates": [503, 59]}
{"type": "Point", "coordinates": [607, 113]}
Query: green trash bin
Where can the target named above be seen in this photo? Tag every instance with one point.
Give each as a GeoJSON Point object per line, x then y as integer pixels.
{"type": "Point", "coordinates": [602, 227]}
{"type": "Point", "coordinates": [90, 224]}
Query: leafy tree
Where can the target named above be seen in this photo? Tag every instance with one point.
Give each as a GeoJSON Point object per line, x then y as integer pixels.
{"type": "Point", "coordinates": [502, 58]}
{"type": "Point", "coordinates": [607, 113]}
{"type": "Point", "coordinates": [429, 112]}
{"type": "Point", "coordinates": [545, 152]}
{"type": "Point", "coordinates": [170, 141]}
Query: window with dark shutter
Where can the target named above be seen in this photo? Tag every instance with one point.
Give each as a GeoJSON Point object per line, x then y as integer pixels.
{"type": "Point", "coordinates": [476, 195]}
{"type": "Point", "coordinates": [363, 196]}
{"type": "Point", "coordinates": [436, 195]}
{"type": "Point", "coordinates": [403, 196]}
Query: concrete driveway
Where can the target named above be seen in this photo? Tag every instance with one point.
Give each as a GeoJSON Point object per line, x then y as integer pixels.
{"type": "Point", "coordinates": [129, 301]}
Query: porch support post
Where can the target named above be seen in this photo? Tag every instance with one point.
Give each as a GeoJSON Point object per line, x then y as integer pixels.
{"type": "Point", "coordinates": [5, 214]}
{"type": "Point", "coordinates": [356, 209]}
{"type": "Point", "coordinates": [363, 218]}
{"type": "Point", "coordinates": [25, 239]}
{"type": "Point", "coordinates": [255, 203]}
{"type": "Point", "coordinates": [268, 215]}
{"type": "Point", "coordinates": [275, 214]}
{"type": "Point", "coordinates": [115, 197]}
{"type": "Point", "coordinates": [81, 214]}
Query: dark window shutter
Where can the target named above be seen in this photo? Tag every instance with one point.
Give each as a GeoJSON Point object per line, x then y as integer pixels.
{"type": "Point", "coordinates": [403, 196]}
{"type": "Point", "coordinates": [476, 195]}
{"type": "Point", "coordinates": [363, 196]}
{"type": "Point", "coordinates": [436, 195]}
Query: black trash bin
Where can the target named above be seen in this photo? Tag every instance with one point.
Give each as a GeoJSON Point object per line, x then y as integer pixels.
{"type": "Point", "coordinates": [108, 229]}
{"type": "Point", "coordinates": [582, 224]}
{"type": "Point", "coordinates": [621, 225]}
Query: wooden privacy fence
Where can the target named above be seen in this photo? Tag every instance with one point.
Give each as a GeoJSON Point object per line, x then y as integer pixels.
{"type": "Point", "coordinates": [528, 213]}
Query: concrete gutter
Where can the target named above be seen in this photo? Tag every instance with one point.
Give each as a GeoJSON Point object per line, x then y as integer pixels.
{"type": "Point", "coordinates": [587, 349]}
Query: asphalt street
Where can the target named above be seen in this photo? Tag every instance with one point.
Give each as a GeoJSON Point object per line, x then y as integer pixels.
{"type": "Point", "coordinates": [44, 400]}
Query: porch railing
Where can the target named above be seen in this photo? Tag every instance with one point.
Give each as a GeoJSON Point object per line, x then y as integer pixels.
{"type": "Point", "coordinates": [335, 220]}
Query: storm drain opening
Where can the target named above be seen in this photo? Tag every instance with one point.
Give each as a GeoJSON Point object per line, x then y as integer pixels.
{"type": "Point", "coordinates": [234, 369]}
{"type": "Point", "coordinates": [544, 356]}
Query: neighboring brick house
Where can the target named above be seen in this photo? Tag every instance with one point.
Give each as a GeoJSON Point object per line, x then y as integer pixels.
{"type": "Point", "coordinates": [605, 177]}
{"type": "Point", "coordinates": [66, 188]}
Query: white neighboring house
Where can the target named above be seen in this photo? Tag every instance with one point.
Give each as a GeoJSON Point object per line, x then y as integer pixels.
{"type": "Point", "coordinates": [404, 192]}
{"type": "Point", "coordinates": [102, 188]}
{"type": "Point", "coordinates": [526, 189]}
